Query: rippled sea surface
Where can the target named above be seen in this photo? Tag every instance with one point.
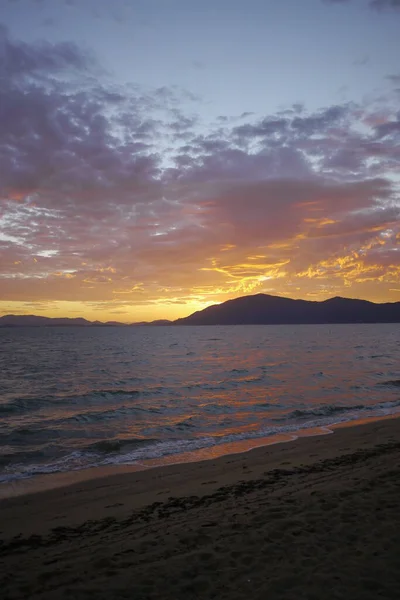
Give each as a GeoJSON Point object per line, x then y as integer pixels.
{"type": "Point", "coordinates": [72, 398]}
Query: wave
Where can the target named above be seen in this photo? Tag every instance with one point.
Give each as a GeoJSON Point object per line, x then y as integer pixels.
{"type": "Point", "coordinates": [72, 462]}
{"type": "Point", "coordinates": [107, 415]}
{"type": "Point", "coordinates": [390, 383]}
{"type": "Point", "coordinates": [254, 379]}
{"type": "Point", "coordinates": [322, 411]}
{"type": "Point", "coordinates": [35, 403]}
{"type": "Point", "coordinates": [219, 387]}
{"type": "Point", "coordinates": [388, 405]}
{"type": "Point", "coordinates": [267, 405]}
{"type": "Point", "coordinates": [51, 454]}
{"type": "Point", "coordinates": [227, 384]}
{"type": "Point", "coordinates": [35, 436]}
{"type": "Point", "coordinates": [218, 409]}
{"type": "Point", "coordinates": [22, 456]}
{"type": "Point", "coordinates": [116, 451]}
{"type": "Point", "coordinates": [115, 445]}
{"type": "Point", "coordinates": [329, 410]}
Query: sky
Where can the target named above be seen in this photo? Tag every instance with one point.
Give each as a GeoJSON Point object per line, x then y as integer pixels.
{"type": "Point", "coordinates": [160, 156]}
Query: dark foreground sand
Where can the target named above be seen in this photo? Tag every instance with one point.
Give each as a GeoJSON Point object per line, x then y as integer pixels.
{"type": "Point", "coordinates": [318, 518]}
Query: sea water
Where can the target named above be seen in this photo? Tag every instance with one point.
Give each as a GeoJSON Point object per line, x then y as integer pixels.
{"type": "Point", "coordinates": [73, 398]}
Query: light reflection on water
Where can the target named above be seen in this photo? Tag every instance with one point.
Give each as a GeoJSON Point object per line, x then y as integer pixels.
{"type": "Point", "coordinates": [74, 397]}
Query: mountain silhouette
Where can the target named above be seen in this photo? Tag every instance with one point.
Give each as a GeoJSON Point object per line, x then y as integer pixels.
{"type": "Point", "coordinates": [38, 321]}
{"type": "Point", "coordinates": [260, 309]}
{"type": "Point", "coordinates": [263, 309]}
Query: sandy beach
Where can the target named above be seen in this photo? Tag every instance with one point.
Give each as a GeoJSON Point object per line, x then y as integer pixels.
{"type": "Point", "coordinates": [314, 518]}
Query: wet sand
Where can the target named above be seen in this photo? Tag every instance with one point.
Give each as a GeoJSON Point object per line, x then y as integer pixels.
{"type": "Point", "coordinates": [315, 518]}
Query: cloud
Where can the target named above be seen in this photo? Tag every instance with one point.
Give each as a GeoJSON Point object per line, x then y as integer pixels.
{"type": "Point", "coordinates": [63, 133]}
{"type": "Point", "coordinates": [394, 79]}
{"type": "Point", "coordinates": [116, 196]}
{"type": "Point", "coordinates": [390, 128]}
{"type": "Point", "coordinates": [298, 125]}
{"type": "Point", "coordinates": [198, 64]}
{"type": "Point", "coordinates": [382, 4]}
{"type": "Point", "coordinates": [49, 22]}
{"type": "Point", "coordinates": [374, 4]}
{"type": "Point", "coordinates": [21, 59]}
{"type": "Point", "coordinates": [362, 60]}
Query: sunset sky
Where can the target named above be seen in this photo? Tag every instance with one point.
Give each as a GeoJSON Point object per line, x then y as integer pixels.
{"type": "Point", "coordinates": [159, 156]}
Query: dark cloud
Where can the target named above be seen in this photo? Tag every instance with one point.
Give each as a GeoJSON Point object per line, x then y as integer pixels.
{"type": "Point", "coordinates": [362, 61]}
{"type": "Point", "coordinates": [394, 79]}
{"type": "Point", "coordinates": [319, 122]}
{"type": "Point", "coordinates": [347, 159]}
{"type": "Point", "coordinates": [49, 22]}
{"type": "Point", "coordinates": [224, 163]}
{"type": "Point", "coordinates": [375, 4]}
{"type": "Point", "coordinates": [198, 64]}
{"type": "Point", "coordinates": [61, 135]}
{"type": "Point", "coordinates": [20, 59]}
{"type": "Point", "coordinates": [266, 127]}
{"type": "Point", "coordinates": [382, 4]}
{"type": "Point", "coordinates": [389, 128]}
{"type": "Point", "coordinates": [182, 123]}
{"type": "Point", "coordinates": [292, 125]}
{"type": "Point", "coordinates": [59, 143]}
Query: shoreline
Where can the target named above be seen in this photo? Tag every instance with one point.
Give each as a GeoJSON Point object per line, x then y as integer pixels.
{"type": "Point", "coordinates": [237, 526]}
{"type": "Point", "coordinates": [62, 479]}
{"type": "Point", "coordinates": [93, 482]}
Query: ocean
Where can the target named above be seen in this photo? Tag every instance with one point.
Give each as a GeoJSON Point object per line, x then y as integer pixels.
{"type": "Point", "coordinates": [73, 398]}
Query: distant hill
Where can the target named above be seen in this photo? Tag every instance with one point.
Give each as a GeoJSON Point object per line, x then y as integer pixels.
{"type": "Point", "coordinates": [156, 322]}
{"type": "Point", "coordinates": [35, 321]}
{"type": "Point", "coordinates": [263, 309]}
